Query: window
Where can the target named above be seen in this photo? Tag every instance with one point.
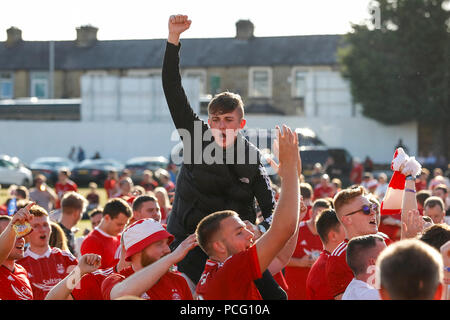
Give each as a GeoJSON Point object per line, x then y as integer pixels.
{"type": "Point", "coordinates": [200, 75]}
{"type": "Point", "coordinates": [39, 84]}
{"type": "Point", "coordinates": [6, 85]}
{"type": "Point", "coordinates": [214, 84]}
{"type": "Point", "coordinates": [260, 82]}
{"type": "Point", "coordinates": [299, 83]}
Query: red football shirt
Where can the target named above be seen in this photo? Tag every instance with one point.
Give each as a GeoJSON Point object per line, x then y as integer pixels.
{"type": "Point", "coordinates": [339, 274]}
{"type": "Point", "coordinates": [103, 244]}
{"type": "Point", "coordinates": [47, 270]}
{"type": "Point", "coordinates": [316, 284]}
{"type": "Point", "coordinates": [232, 279]}
{"type": "Point", "coordinates": [90, 285]}
{"type": "Point", "coordinates": [61, 189]}
{"type": "Point", "coordinates": [171, 286]}
{"type": "Point", "coordinates": [15, 285]}
{"type": "Point", "coordinates": [110, 186]}
{"type": "Point", "coordinates": [323, 192]}
{"type": "Point", "coordinates": [307, 244]}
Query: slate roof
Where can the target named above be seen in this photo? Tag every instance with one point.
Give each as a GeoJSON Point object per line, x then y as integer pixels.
{"type": "Point", "coordinates": [210, 52]}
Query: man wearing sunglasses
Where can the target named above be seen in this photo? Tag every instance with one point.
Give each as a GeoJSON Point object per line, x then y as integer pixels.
{"type": "Point", "coordinates": [357, 214]}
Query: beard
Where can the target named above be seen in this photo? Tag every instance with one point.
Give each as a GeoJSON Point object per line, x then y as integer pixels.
{"type": "Point", "coordinates": [146, 260]}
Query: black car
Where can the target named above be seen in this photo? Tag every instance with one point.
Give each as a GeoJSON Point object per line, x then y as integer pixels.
{"type": "Point", "coordinates": [137, 165]}
{"type": "Point", "coordinates": [340, 168]}
{"type": "Point", "coordinates": [94, 170]}
{"type": "Point", "coordinates": [49, 167]}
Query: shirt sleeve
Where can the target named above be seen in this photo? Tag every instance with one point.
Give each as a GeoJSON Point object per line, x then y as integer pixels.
{"type": "Point", "coordinates": [109, 283]}
{"type": "Point", "coordinates": [265, 195]}
{"type": "Point", "coordinates": [339, 274]}
{"type": "Point", "coordinates": [180, 109]}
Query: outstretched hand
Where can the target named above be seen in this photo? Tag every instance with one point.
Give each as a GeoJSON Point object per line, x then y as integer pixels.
{"type": "Point", "coordinates": [177, 25]}
{"type": "Point", "coordinates": [288, 153]}
{"type": "Point", "coordinates": [413, 224]}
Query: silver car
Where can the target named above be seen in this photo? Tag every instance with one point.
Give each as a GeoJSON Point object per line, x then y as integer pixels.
{"type": "Point", "coordinates": [13, 171]}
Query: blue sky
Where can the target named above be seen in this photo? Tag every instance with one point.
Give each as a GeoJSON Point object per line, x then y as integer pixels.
{"type": "Point", "coordinates": [139, 19]}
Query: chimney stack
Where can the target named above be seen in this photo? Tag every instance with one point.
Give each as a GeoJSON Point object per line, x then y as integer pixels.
{"type": "Point", "coordinates": [244, 30]}
{"type": "Point", "coordinates": [86, 35]}
{"type": "Point", "coordinates": [14, 35]}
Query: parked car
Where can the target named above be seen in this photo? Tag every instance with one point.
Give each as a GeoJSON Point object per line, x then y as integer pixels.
{"type": "Point", "coordinates": [94, 170]}
{"type": "Point", "coordinates": [50, 166]}
{"type": "Point", "coordinates": [320, 154]}
{"type": "Point", "coordinates": [137, 165]}
{"type": "Point", "coordinates": [14, 171]}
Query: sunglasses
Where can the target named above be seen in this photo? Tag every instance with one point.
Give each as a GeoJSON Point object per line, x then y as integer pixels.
{"type": "Point", "coordinates": [366, 209]}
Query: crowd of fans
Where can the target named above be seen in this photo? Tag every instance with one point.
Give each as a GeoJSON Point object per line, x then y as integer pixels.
{"type": "Point", "coordinates": [201, 234]}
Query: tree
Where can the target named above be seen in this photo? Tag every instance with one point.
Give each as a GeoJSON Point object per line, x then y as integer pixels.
{"type": "Point", "coordinates": [399, 67]}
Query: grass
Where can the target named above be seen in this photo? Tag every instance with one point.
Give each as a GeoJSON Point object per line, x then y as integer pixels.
{"type": "Point", "coordinates": [83, 224]}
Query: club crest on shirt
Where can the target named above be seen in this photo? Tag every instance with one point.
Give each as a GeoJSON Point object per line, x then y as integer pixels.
{"type": "Point", "coordinates": [60, 268]}
{"type": "Point", "coordinates": [175, 295]}
{"type": "Point", "coordinates": [244, 180]}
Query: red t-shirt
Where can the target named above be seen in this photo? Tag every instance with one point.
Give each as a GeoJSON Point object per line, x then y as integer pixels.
{"type": "Point", "coordinates": [171, 286]}
{"type": "Point", "coordinates": [90, 285]}
{"type": "Point", "coordinates": [339, 274]}
{"type": "Point", "coordinates": [232, 279]}
{"type": "Point", "coordinates": [307, 243]}
{"type": "Point", "coordinates": [101, 243]}
{"type": "Point", "coordinates": [110, 187]}
{"type": "Point", "coordinates": [323, 192]}
{"type": "Point", "coordinates": [61, 189]}
{"type": "Point", "coordinates": [316, 284]}
{"type": "Point", "coordinates": [47, 270]}
{"type": "Point", "coordinates": [15, 285]}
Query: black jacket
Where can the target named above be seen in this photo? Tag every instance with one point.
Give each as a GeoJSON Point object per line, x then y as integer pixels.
{"type": "Point", "coordinates": [204, 188]}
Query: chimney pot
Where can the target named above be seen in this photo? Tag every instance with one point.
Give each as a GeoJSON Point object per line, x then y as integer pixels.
{"type": "Point", "coordinates": [244, 30]}
{"type": "Point", "coordinates": [14, 35]}
{"type": "Point", "coordinates": [86, 35]}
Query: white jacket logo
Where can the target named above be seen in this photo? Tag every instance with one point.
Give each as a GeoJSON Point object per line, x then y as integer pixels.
{"type": "Point", "coordinates": [23, 294]}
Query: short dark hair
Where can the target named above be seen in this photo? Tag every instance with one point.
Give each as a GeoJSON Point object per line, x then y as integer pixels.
{"type": "Point", "coordinates": [73, 201]}
{"type": "Point", "coordinates": [226, 102]}
{"type": "Point", "coordinates": [23, 192]}
{"type": "Point", "coordinates": [421, 196]}
{"type": "Point", "coordinates": [208, 227]}
{"type": "Point", "coordinates": [436, 235]}
{"type": "Point", "coordinates": [325, 222]}
{"type": "Point", "coordinates": [137, 203]}
{"type": "Point", "coordinates": [321, 203]}
{"type": "Point", "coordinates": [116, 206]}
{"type": "Point", "coordinates": [410, 269]}
{"type": "Point", "coordinates": [95, 211]}
{"type": "Point", "coordinates": [358, 252]}
{"type": "Point", "coordinates": [306, 190]}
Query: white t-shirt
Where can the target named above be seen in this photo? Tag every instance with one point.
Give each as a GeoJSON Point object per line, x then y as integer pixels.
{"type": "Point", "coordinates": [360, 290]}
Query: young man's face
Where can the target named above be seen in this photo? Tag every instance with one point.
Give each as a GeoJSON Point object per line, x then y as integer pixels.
{"type": "Point", "coordinates": [235, 236]}
{"type": "Point", "coordinates": [114, 226]}
{"type": "Point", "coordinates": [41, 232]}
{"type": "Point", "coordinates": [96, 219]}
{"type": "Point", "coordinates": [359, 222]}
{"type": "Point", "coordinates": [435, 213]}
{"type": "Point", "coordinates": [225, 127]}
{"type": "Point", "coordinates": [18, 248]}
{"type": "Point", "coordinates": [149, 209]}
{"type": "Point", "coordinates": [440, 193]}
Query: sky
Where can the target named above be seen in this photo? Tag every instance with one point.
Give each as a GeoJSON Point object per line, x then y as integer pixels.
{"type": "Point", "coordinates": [147, 19]}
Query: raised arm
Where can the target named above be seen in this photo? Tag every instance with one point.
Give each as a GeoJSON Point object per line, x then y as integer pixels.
{"type": "Point", "coordinates": [286, 215]}
{"type": "Point", "coordinates": [144, 279]}
{"type": "Point", "coordinates": [8, 236]}
{"type": "Point", "coordinates": [88, 263]}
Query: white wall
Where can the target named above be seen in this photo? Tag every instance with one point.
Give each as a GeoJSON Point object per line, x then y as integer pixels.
{"type": "Point", "coordinates": [123, 140]}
